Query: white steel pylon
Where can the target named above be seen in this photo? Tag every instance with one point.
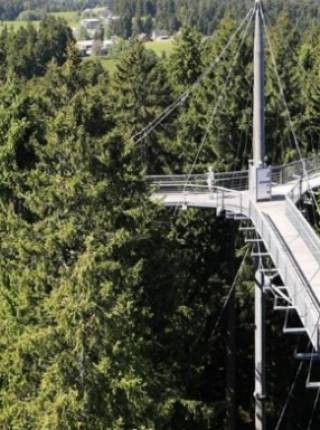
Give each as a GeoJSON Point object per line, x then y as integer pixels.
{"type": "Point", "coordinates": [260, 187]}
{"type": "Point", "coordinates": [260, 174]}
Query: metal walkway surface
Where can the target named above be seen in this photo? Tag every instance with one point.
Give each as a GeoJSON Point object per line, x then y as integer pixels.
{"type": "Point", "coordinates": [289, 241]}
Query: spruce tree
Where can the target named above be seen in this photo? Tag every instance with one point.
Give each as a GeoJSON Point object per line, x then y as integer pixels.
{"type": "Point", "coordinates": [75, 326]}
{"type": "Point", "coordinates": [141, 92]}
{"type": "Point", "coordinates": [186, 60]}
{"type": "Point", "coordinates": [280, 140]}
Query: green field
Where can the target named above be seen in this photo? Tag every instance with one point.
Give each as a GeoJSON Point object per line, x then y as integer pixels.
{"type": "Point", "coordinates": [72, 18]}
{"type": "Point", "coordinates": [108, 63]}
{"type": "Point", "coordinates": [161, 46]}
{"type": "Point", "coordinates": [158, 47]}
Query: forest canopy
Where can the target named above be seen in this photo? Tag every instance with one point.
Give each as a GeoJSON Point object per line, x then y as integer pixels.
{"type": "Point", "coordinates": [109, 303]}
{"type": "Point", "coordinates": [169, 14]}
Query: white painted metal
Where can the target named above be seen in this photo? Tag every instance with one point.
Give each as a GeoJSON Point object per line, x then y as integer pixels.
{"type": "Point", "coordinates": [260, 376]}
{"type": "Point", "coordinates": [259, 173]}
{"type": "Point", "coordinates": [292, 251]}
{"type": "Point", "coordinates": [258, 91]}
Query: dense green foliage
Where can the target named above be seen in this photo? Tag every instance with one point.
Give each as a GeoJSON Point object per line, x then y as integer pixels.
{"type": "Point", "coordinates": [206, 14]}
{"type": "Point", "coordinates": [11, 9]}
{"type": "Point", "coordinates": [108, 302]}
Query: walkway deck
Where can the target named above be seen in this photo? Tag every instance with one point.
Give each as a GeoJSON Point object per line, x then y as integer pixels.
{"type": "Point", "coordinates": [292, 244]}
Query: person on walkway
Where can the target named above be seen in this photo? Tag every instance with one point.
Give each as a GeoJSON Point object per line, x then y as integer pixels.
{"type": "Point", "coordinates": [210, 179]}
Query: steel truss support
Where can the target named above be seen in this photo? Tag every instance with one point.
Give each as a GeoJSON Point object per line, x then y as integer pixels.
{"type": "Point", "coordinates": [294, 330]}
{"type": "Point", "coordinates": [260, 362]}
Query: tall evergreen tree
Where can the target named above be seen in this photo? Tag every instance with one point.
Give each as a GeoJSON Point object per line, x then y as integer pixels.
{"type": "Point", "coordinates": [280, 142]}
{"type": "Point", "coordinates": [141, 92]}
{"type": "Point", "coordinates": [186, 60]}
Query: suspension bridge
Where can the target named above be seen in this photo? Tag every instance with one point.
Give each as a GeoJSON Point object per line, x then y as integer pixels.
{"type": "Point", "coordinates": [265, 199]}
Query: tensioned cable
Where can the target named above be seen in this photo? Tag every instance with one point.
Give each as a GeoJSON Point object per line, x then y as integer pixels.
{"type": "Point", "coordinates": [215, 108]}
{"type": "Point", "coordinates": [233, 287]}
{"type": "Point", "coordinates": [214, 111]}
{"type": "Point", "coordinates": [316, 400]}
{"type": "Point", "coordinates": [142, 134]}
{"type": "Point", "coordinates": [281, 89]}
{"type": "Point", "coordinates": [308, 118]}
{"type": "Point", "coordinates": [293, 385]}
{"type": "Point", "coordinates": [304, 73]}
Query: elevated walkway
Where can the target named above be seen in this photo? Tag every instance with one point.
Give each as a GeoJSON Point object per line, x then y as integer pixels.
{"type": "Point", "coordinates": [289, 241]}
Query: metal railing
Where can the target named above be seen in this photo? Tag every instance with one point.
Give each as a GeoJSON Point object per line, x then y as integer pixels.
{"type": "Point", "coordinates": [227, 196]}
{"type": "Point", "coordinates": [179, 183]}
{"type": "Point", "coordinates": [289, 172]}
{"type": "Point", "coordinates": [238, 180]}
{"type": "Point", "coordinates": [305, 230]}
{"type": "Point", "coordinates": [303, 297]}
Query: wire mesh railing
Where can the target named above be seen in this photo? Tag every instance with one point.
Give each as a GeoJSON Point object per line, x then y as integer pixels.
{"type": "Point", "coordinates": [305, 230]}
{"type": "Point", "coordinates": [237, 181]}
{"type": "Point", "coordinates": [291, 171]}
{"type": "Point", "coordinates": [293, 277]}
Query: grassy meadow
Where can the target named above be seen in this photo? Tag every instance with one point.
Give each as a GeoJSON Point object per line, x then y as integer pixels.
{"type": "Point", "coordinates": [160, 47]}
{"type": "Point", "coordinates": [72, 18]}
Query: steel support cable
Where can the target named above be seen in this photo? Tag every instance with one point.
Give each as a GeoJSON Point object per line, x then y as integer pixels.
{"type": "Point", "coordinates": [228, 297]}
{"type": "Point", "coordinates": [305, 95]}
{"type": "Point", "coordinates": [302, 89]}
{"type": "Point", "coordinates": [233, 287]}
{"type": "Point", "coordinates": [215, 108]}
{"type": "Point", "coordinates": [293, 385]}
{"type": "Point", "coordinates": [315, 404]}
{"type": "Point", "coordinates": [285, 103]}
{"type": "Point", "coordinates": [142, 134]}
{"type": "Point", "coordinates": [311, 361]}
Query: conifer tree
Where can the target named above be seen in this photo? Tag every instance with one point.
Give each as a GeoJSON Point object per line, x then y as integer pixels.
{"type": "Point", "coordinates": [309, 81]}
{"type": "Point", "coordinates": [280, 142]}
{"type": "Point", "coordinates": [214, 107]}
{"type": "Point", "coordinates": [141, 92]}
{"type": "Point", "coordinates": [186, 60]}
{"type": "Point", "coordinates": [75, 327]}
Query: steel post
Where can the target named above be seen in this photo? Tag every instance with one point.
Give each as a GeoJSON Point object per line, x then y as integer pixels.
{"type": "Point", "coordinates": [260, 377]}
{"type": "Point", "coordinates": [258, 94]}
{"type": "Point", "coordinates": [260, 175]}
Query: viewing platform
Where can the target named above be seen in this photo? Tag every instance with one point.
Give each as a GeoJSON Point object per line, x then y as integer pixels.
{"type": "Point", "coordinates": [291, 247]}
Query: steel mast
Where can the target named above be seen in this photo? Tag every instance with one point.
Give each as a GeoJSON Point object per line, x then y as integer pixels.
{"type": "Point", "coordinates": [260, 174]}
{"type": "Point", "coordinates": [258, 94]}
{"type": "Point", "coordinates": [260, 187]}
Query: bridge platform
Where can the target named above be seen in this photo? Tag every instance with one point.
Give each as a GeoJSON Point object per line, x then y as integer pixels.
{"type": "Point", "coordinates": [290, 243]}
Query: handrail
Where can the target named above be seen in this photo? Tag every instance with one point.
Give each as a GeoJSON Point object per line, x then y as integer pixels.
{"type": "Point", "coordinates": [306, 232]}
{"type": "Point", "coordinates": [237, 180]}
{"type": "Point", "coordinates": [290, 272]}
{"type": "Point", "coordinates": [287, 172]}
{"type": "Point", "coordinates": [298, 270]}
